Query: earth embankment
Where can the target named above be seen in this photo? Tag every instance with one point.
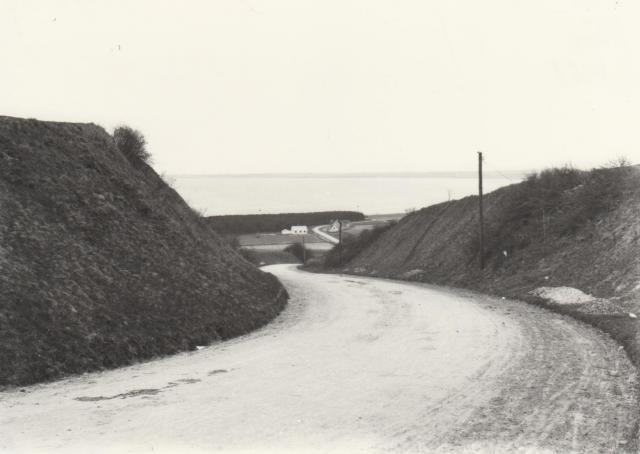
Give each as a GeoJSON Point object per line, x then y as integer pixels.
{"type": "Point", "coordinates": [102, 263]}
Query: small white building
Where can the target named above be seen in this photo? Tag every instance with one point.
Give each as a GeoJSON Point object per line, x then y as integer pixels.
{"type": "Point", "coordinates": [299, 229]}
{"type": "Point", "coordinates": [296, 230]}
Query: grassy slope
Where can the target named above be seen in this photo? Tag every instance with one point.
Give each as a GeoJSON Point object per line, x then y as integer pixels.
{"type": "Point", "coordinates": [599, 257]}
{"type": "Point", "coordinates": [598, 254]}
{"type": "Point", "coordinates": [101, 263]}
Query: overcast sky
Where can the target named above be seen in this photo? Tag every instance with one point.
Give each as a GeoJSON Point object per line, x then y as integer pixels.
{"type": "Point", "coordinates": [245, 86]}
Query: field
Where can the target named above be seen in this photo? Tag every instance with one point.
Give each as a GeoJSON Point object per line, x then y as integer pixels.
{"type": "Point", "coordinates": [280, 247]}
{"type": "Point", "coordinates": [276, 239]}
{"type": "Point", "coordinates": [257, 223]}
{"type": "Point", "coordinates": [268, 248]}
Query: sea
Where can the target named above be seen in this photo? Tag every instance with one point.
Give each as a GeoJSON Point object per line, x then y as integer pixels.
{"type": "Point", "coordinates": [370, 194]}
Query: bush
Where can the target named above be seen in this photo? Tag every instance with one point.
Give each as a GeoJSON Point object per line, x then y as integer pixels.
{"type": "Point", "coordinates": [297, 250]}
{"type": "Point", "coordinates": [554, 203]}
{"type": "Point", "coordinates": [132, 144]}
{"type": "Point", "coordinates": [249, 255]}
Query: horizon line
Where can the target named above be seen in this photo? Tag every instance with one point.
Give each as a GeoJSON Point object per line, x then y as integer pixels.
{"type": "Point", "coordinates": [431, 174]}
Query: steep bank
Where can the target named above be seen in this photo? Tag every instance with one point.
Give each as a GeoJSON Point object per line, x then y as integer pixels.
{"type": "Point", "coordinates": [102, 263]}
{"type": "Point", "coordinates": [562, 228]}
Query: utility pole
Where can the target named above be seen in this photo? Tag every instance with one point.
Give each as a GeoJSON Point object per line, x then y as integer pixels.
{"type": "Point", "coordinates": [340, 240]}
{"type": "Point", "coordinates": [481, 210]}
{"type": "Point", "coordinates": [304, 251]}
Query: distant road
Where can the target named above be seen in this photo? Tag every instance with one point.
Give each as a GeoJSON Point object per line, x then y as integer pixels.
{"type": "Point", "coordinates": [352, 228]}
{"type": "Point", "coordinates": [325, 235]}
{"type": "Point", "coordinates": [353, 365]}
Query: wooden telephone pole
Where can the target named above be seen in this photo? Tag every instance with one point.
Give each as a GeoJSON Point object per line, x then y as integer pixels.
{"type": "Point", "coordinates": [481, 210]}
{"type": "Point", "coordinates": [340, 240]}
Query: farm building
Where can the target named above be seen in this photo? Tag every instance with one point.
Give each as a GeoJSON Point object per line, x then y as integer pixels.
{"type": "Point", "coordinates": [299, 229]}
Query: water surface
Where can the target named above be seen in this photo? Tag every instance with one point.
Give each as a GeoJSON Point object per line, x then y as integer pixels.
{"type": "Point", "coordinates": [216, 195]}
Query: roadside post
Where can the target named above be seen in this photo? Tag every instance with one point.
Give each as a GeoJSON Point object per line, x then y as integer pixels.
{"type": "Point", "coordinates": [304, 251]}
{"type": "Point", "coordinates": [340, 240]}
{"type": "Point", "coordinates": [481, 210]}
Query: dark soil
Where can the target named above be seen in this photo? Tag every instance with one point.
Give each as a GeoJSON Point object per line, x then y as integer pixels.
{"type": "Point", "coordinates": [103, 264]}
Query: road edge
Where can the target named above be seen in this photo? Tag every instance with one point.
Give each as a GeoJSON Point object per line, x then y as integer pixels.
{"type": "Point", "coordinates": [590, 320]}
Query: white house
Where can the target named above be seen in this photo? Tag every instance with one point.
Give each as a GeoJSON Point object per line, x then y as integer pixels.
{"type": "Point", "coordinates": [296, 230]}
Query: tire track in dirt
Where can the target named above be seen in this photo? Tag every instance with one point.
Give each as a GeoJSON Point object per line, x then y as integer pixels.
{"type": "Point", "coordinates": [353, 365]}
{"type": "Point", "coordinates": [572, 390]}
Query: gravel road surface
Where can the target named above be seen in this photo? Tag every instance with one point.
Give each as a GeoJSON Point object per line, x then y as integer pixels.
{"type": "Point", "coordinates": [330, 238]}
{"type": "Point", "coordinates": [352, 365]}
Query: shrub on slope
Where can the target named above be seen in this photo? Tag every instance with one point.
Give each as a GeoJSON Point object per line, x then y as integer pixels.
{"type": "Point", "coordinates": [101, 263]}
{"type": "Point", "coordinates": [132, 144]}
{"type": "Point", "coordinates": [553, 204]}
{"type": "Point", "coordinates": [561, 226]}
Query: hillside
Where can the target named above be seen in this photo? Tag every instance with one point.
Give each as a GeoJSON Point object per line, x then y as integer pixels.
{"type": "Point", "coordinates": [562, 228]}
{"type": "Point", "coordinates": [102, 263]}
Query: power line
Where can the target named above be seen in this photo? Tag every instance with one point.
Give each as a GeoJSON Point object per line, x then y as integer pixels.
{"type": "Point", "coordinates": [498, 172]}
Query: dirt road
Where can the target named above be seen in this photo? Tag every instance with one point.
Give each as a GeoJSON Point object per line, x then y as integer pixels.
{"type": "Point", "coordinates": [330, 238]}
{"type": "Point", "coordinates": [352, 365]}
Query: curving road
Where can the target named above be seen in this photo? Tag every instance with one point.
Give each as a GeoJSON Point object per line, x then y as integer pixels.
{"type": "Point", "coordinates": [324, 235]}
{"type": "Point", "coordinates": [352, 365]}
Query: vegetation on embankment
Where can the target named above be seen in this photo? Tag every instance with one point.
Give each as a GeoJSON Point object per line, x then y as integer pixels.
{"type": "Point", "coordinates": [352, 245]}
{"type": "Point", "coordinates": [102, 263]}
{"type": "Point", "coordinates": [264, 223]}
{"type": "Point", "coordinates": [561, 227]}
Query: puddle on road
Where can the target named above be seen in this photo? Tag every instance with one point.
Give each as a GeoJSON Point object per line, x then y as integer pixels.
{"type": "Point", "coordinates": [180, 381]}
{"type": "Point", "coordinates": [189, 380]}
{"type": "Point", "coordinates": [134, 393]}
{"type": "Point", "coordinates": [142, 392]}
{"type": "Point", "coordinates": [217, 371]}
{"type": "Point", "coordinates": [356, 282]}
{"type": "Point", "coordinates": [367, 337]}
